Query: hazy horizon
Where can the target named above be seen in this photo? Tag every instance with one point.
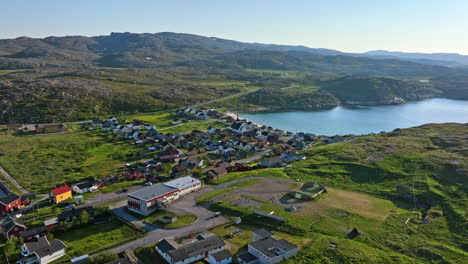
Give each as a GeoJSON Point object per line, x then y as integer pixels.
{"type": "Point", "coordinates": [350, 26]}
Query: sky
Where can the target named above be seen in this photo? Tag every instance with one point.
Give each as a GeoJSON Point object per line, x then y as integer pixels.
{"type": "Point", "coordinates": [346, 25]}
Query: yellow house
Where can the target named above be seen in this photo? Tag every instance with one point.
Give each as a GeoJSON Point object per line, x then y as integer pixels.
{"type": "Point", "coordinates": [60, 194]}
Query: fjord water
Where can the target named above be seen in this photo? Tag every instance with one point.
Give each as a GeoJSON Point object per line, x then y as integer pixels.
{"type": "Point", "coordinates": [365, 119]}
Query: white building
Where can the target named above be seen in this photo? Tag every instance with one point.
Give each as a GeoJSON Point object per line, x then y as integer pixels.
{"type": "Point", "coordinates": [221, 257]}
{"type": "Point", "coordinates": [267, 250]}
{"type": "Point", "coordinates": [150, 199]}
{"type": "Point", "coordinates": [185, 184]}
{"type": "Point", "coordinates": [41, 251]}
{"type": "Point", "coordinates": [155, 197]}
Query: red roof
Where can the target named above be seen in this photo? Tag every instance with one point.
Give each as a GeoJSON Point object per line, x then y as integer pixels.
{"type": "Point", "coordinates": [60, 190]}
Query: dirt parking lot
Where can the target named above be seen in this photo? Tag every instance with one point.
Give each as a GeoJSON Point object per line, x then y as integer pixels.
{"type": "Point", "coordinates": [263, 189]}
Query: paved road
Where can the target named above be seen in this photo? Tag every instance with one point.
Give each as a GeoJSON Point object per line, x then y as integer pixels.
{"type": "Point", "coordinates": [103, 198]}
{"type": "Point", "coordinates": [13, 181]}
{"type": "Point", "coordinates": [185, 205]}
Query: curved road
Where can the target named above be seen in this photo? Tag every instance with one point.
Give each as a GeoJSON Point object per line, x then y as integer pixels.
{"type": "Point", "coordinates": [185, 205]}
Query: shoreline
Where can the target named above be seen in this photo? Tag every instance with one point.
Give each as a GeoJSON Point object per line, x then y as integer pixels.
{"type": "Point", "coordinates": [236, 116]}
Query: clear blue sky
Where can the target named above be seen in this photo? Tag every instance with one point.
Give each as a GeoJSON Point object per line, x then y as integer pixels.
{"type": "Point", "coordinates": [346, 25]}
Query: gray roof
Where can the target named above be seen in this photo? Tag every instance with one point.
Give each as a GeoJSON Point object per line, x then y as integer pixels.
{"type": "Point", "coordinates": [268, 245]}
{"type": "Point", "coordinates": [151, 192]}
{"type": "Point", "coordinates": [263, 233]}
{"type": "Point", "coordinates": [182, 183]}
{"type": "Point", "coordinates": [247, 258]}
{"type": "Point", "coordinates": [43, 248]}
{"type": "Point", "coordinates": [38, 244]}
{"type": "Point", "coordinates": [9, 198]}
{"type": "Point", "coordinates": [55, 246]}
{"type": "Point", "coordinates": [52, 221]}
{"type": "Point", "coordinates": [33, 231]}
{"type": "Point", "coordinates": [165, 245]}
{"type": "Point", "coordinates": [9, 223]}
{"type": "Point", "coordinates": [223, 254]}
{"type": "Point", "coordinates": [194, 248]}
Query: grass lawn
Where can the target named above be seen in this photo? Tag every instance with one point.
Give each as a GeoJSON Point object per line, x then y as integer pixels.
{"type": "Point", "coordinates": [160, 120]}
{"type": "Point", "coordinates": [268, 173]}
{"type": "Point", "coordinates": [42, 211]}
{"type": "Point", "coordinates": [40, 162]}
{"type": "Point", "coordinates": [121, 185]}
{"type": "Point", "coordinates": [94, 238]}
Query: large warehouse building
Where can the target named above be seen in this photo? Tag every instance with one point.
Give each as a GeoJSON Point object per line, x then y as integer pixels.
{"type": "Point", "coordinates": [150, 199]}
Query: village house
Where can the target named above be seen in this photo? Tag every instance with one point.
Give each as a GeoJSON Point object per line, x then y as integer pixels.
{"type": "Point", "coordinates": [51, 223]}
{"type": "Point", "coordinates": [87, 185]}
{"type": "Point", "coordinates": [267, 250]}
{"type": "Point", "coordinates": [111, 179]}
{"type": "Point", "coordinates": [291, 156]}
{"type": "Point", "coordinates": [216, 173]}
{"type": "Point", "coordinates": [239, 127]}
{"type": "Point", "coordinates": [9, 203]}
{"type": "Point", "coordinates": [97, 122]}
{"type": "Point", "coordinates": [169, 154]}
{"type": "Point", "coordinates": [190, 252]}
{"type": "Point", "coordinates": [220, 257]}
{"type": "Point", "coordinates": [73, 213]}
{"type": "Point", "coordinates": [41, 251]}
{"type": "Point", "coordinates": [51, 128]}
{"type": "Point", "coordinates": [60, 194]}
{"type": "Point", "coordinates": [107, 125]}
{"type": "Point", "coordinates": [272, 162]}
{"type": "Point", "coordinates": [180, 170]}
{"type": "Point", "coordinates": [262, 234]}
{"type": "Point", "coordinates": [12, 227]}
{"type": "Point", "coordinates": [34, 233]}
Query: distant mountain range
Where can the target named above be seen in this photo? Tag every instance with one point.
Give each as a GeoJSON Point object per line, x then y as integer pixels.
{"type": "Point", "coordinates": [151, 50]}
{"type": "Point", "coordinates": [448, 59]}
{"type": "Point", "coordinates": [77, 77]}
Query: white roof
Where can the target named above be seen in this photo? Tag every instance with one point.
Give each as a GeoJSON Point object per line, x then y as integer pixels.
{"type": "Point", "coordinates": [182, 183]}
{"type": "Point", "coordinates": [79, 258]}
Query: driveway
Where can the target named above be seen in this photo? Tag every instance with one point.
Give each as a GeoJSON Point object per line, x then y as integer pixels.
{"type": "Point", "coordinates": [185, 205]}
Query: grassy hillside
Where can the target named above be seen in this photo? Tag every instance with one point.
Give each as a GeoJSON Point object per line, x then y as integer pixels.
{"type": "Point", "coordinates": [406, 191]}
{"type": "Point", "coordinates": [40, 162]}
{"type": "Point", "coordinates": [76, 78]}
{"type": "Point", "coordinates": [422, 170]}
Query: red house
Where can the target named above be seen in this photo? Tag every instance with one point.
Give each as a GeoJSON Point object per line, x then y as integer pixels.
{"type": "Point", "coordinates": [135, 174]}
{"type": "Point", "coordinates": [12, 228]}
{"type": "Point", "coordinates": [33, 234]}
{"type": "Point", "coordinates": [9, 203]}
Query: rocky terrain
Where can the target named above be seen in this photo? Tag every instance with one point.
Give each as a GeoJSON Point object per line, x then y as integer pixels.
{"type": "Point", "coordinates": [70, 78]}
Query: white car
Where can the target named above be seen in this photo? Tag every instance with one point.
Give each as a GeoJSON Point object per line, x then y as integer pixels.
{"type": "Point", "coordinates": [148, 183]}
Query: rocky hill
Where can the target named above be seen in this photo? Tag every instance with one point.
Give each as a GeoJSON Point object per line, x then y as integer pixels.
{"type": "Point", "coordinates": [76, 77]}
